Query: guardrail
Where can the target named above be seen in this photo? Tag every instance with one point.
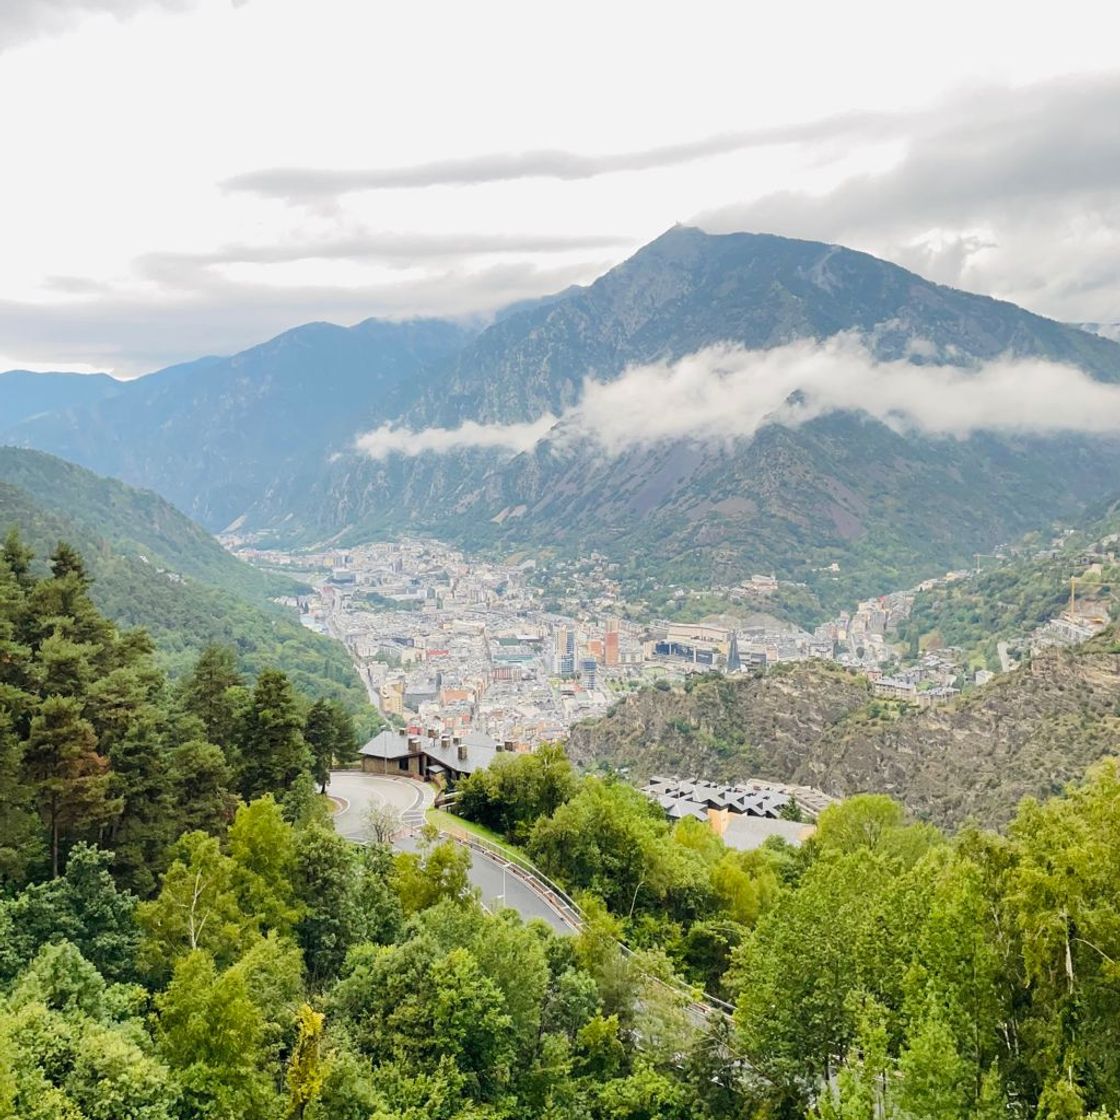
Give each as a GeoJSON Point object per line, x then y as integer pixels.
{"type": "Point", "coordinates": [572, 912]}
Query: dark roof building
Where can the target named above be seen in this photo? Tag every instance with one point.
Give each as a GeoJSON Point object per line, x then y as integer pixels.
{"type": "Point", "coordinates": [433, 754]}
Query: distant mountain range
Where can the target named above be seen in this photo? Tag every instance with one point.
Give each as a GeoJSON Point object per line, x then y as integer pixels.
{"type": "Point", "coordinates": [264, 441]}
{"type": "Point", "coordinates": [219, 435]}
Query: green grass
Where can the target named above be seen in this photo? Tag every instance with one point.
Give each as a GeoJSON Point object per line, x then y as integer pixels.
{"type": "Point", "coordinates": [444, 820]}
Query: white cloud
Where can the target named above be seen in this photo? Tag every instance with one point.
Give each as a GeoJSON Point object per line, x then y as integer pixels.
{"type": "Point", "coordinates": [725, 393]}
{"type": "Point", "coordinates": [28, 19]}
{"type": "Point", "coordinates": [508, 438]}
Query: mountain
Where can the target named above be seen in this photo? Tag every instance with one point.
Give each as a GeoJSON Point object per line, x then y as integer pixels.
{"type": "Point", "coordinates": [154, 568]}
{"type": "Point", "coordinates": [1029, 732]}
{"type": "Point", "coordinates": [216, 435]}
{"type": "Point", "coordinates": [265, 440]}
{"type": "Point", "coordinates": [1019, 590]}
{"type": "Point", "coordinates": [888, 507]}
{"type": "Point", "coordinates": [25, 395]}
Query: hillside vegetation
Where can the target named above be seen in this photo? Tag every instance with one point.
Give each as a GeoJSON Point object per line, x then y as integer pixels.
{"type": "Point", "coordinates": [1026, 733]}
{"type": "Point", "coordinates": [1014, 594]}
{"type": "Point", "coordinates": [155, 569]}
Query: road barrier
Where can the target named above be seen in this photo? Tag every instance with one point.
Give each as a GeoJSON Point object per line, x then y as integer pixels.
{"type": "Point", "coordinates": [573, 914]}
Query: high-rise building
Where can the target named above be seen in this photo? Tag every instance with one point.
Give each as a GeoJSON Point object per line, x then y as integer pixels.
{"type": "Point", "coordinates": [734, 662]}
{"type": "Point", "coordinates": [588, 670]}
{"type": "Point", "coordinates": [610, 643]}
{"type": "Point", "coordinates": [564, 657]}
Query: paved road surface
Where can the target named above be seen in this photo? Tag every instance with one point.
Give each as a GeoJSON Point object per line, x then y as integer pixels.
{"type": "Point", "coordinates": [497, 886]}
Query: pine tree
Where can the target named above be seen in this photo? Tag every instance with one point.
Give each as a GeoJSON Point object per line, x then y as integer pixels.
{"type": "Point", "coordinates": [19, 830]}
{"type": "Point", "coordinates": [207, 693]}
{"type": "Point", "coordinates": [72, 781]}
{"type": "Point", "coordinates": [272, 749]}
{"type": "Point", "coordinates": [329, 731]}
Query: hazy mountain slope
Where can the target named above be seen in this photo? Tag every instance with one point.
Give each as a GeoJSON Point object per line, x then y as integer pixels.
{"type": "Point", "coordinates": [137, 521]}
{"type": "Point", "coordinates": [1027, 733]}
{"type": "Point", "coordinates": [889, 508]}
{"type": "Point", "coordinates": [24, 395]}
{"type": "Point", "coordinates": [154, 568]}
{"type": "Point", "coordinates": [216, 435]}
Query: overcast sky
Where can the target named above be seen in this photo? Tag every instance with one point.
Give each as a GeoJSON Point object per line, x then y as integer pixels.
{"type": "Point", "coordinates": [183, 177]}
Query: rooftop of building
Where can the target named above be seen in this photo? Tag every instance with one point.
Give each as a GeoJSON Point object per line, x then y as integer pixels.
{"type": "Point", "coordinates": [444, 749]}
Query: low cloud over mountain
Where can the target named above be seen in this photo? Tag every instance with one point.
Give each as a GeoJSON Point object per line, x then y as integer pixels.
{"type": "Point", "coordinates": [724, 393]}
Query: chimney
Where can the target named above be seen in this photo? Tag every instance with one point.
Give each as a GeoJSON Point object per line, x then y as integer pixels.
{"type": "Point", "coordinates": [402, 732]}
{"type": "Point", "coordinates": [507, 745]}
{"type": "Point", "coordinates": [414, 744]}
{"type": "Point", "coordinates": [462, 751]}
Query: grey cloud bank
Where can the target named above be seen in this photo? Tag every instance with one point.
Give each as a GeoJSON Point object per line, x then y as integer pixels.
{"type": "Point", "coordinates": [308, 184]}
{"type": "Point", "coordinates": [391, 247]}
{"type": "Point", "coordinates": [1006, 191]}
{"type": "Point", "coordinates": [199, 311]}
{"type": "Point", "coordinates": [725, 393]}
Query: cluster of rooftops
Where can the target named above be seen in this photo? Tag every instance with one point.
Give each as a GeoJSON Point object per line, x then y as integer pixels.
{"type": "Point", "coordinates": [694, 797]}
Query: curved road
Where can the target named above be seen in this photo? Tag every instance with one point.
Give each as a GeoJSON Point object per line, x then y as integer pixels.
{"type": "Point", "coordinates": [497, 886]}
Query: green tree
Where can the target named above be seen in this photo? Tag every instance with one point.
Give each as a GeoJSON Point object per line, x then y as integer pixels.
{"type": "Point", "coordinates": [874, 823]}
{"type": "Point", "coordinates": [215, 1037]}
{"type": "Point", "coordinates": [271, 746]}
{"type": "Point", "coordinates": [212, 691]}
{"type": "Point", "coordinates": [72, 780]}
{"type": "Point", "coordinates": [327, 886]}
{"type": "Point", "coordinates": [201, 782]}
{"type": "Point", "coordinates": [263, 847]}
{"type": "Point", "coordinates": [935, 1080]}
{"type": "Point", "coordinates": [84, 907]}
{"type": "Point", "coordinates": [329, 732]}
{"type": "Point", "coordinates": [438, 871]}
{"type": "Point", "coordinates": [197, 908]}
{"type": "Point", "coordinates": [20, 843]}
{"type": "Point", "coordinates": [1062, 901]}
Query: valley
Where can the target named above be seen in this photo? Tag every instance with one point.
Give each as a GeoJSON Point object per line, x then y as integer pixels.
{"type": "Point", "coordinates": [559, 564]}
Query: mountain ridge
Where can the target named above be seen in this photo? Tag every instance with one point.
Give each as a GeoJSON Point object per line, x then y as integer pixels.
{"type": "Point", "coordinates": [265, 440]}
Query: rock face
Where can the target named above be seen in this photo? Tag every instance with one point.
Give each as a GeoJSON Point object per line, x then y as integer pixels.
{"type": "Point", "coordinates": [723, 728]}
{"type": "Point", "coordinates": [1025, 734]}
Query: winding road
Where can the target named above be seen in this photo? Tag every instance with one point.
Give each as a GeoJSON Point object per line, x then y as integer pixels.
{"type": "Point", "coordinates": [497, 884]}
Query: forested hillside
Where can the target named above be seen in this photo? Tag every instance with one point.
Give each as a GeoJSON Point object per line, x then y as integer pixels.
{"type": "Point", "coordinates": [1013, 594]}
{"type": "Point", "coordinates": [156, 569]}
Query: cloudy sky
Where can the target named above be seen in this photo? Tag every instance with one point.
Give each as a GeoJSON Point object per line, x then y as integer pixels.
{"type": "Point", "coordinates": [192, 176]}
